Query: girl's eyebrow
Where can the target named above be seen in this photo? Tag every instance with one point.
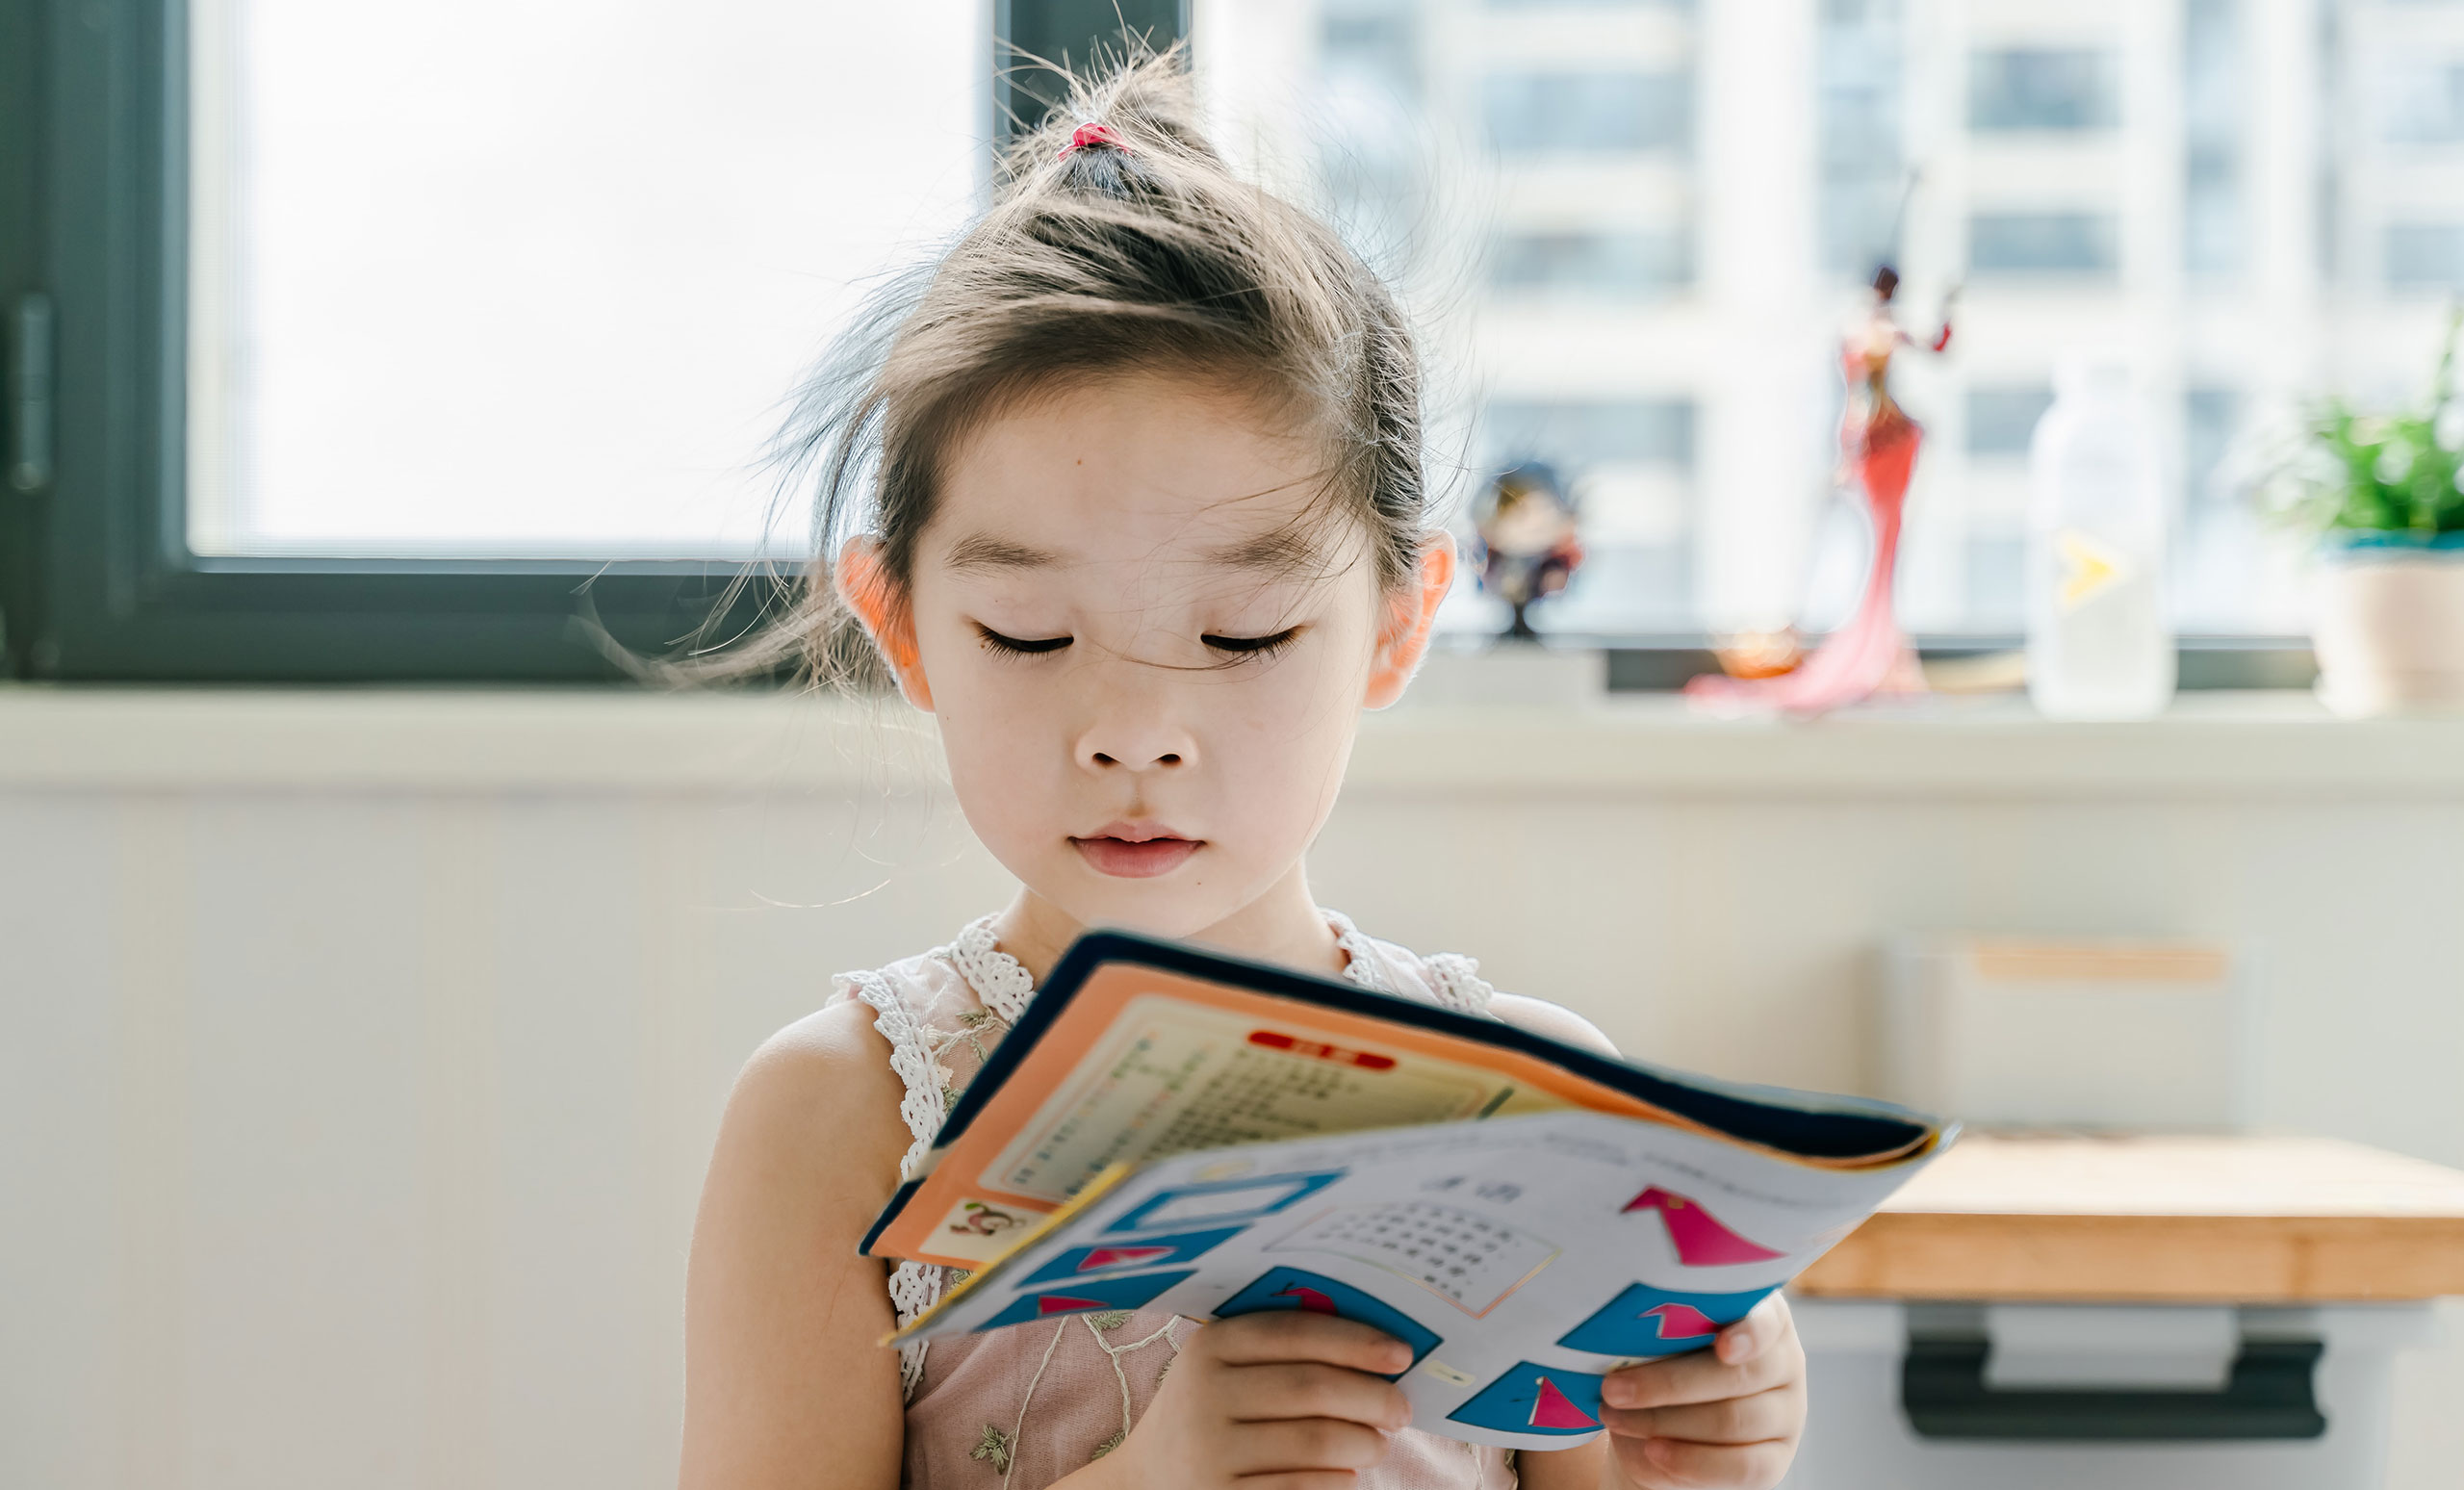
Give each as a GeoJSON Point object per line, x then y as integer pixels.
{"type": "Point", "coordinates": [1281, 551]}
{"type": "Point", "coordinates": [979, 552]}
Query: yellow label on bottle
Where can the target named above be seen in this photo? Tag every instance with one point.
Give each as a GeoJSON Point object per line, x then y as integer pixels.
{"type": "Point", "coordinates": [2087, 568]}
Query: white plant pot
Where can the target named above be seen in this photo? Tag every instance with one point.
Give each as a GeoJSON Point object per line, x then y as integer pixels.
{"type": "Point", "coordinates": [2389, 631]}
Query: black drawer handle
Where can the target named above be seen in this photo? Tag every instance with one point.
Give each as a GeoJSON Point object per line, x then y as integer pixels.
{"type": "Point", "coordinates": [1942, 1386]}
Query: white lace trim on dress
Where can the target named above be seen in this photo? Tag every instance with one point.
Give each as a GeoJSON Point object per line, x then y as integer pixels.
{"type": "Point", "coordinates": [1001, 981]}
{"type": "Point", "coordinates": [913, 1287]}
{"type": "Point", "coordinates": [1458, 981]}
{"type": "Point", "coordinates": [1361, 962]}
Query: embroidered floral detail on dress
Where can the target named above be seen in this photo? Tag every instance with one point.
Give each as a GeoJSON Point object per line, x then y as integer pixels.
{"type": "Point", "coordinates": [994, 1448]}
{"type": "Point", "coordinates": [1107, 1447]}
{"type": "Point", "coordinates": [1108, 1318]}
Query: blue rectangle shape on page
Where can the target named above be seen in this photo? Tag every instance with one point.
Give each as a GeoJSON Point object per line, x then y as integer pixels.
{"type": "Point", "coordinates": [1224, 1201]}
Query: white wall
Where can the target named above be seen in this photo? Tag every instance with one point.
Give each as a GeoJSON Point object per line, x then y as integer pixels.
{"type": "Point", "coordinates": [351, 1128]}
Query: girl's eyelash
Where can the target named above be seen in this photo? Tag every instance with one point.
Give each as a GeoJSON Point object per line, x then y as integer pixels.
{"type": "Point", "coordinates": [1019, 646]}
{"type": "Point", "coordinates": [1245, 646]}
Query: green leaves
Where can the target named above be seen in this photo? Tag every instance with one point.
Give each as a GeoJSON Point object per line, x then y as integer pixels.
{"type": "Point", "coordinates": [2398, 476]}
{"type": "Point", "coordinates": [2357, 472]}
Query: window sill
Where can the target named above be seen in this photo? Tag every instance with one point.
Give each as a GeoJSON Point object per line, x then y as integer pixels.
{"type": "Point", "coordinates": [2217, 746]}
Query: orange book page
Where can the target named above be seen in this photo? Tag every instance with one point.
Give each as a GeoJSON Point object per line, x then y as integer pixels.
{"type": "Point", "coordinates": [1145, 1063]}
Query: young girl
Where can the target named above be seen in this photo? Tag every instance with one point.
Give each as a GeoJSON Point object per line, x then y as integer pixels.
{"type": "Point", "coordinates": [1142, 525]}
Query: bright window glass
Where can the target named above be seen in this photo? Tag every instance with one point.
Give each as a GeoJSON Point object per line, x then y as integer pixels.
{"type": "Point", "coordinates": [1636, 230]}
{"type": "Point", "coordinates": [517, 278]}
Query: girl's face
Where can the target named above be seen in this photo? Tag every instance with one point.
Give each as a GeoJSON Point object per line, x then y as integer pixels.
{"type": "Point", "coordinates": [1147, 647]}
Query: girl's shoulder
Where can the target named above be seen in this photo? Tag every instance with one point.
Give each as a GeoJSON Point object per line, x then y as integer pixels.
{"type": "Point", "coordinates": [1452, 980]}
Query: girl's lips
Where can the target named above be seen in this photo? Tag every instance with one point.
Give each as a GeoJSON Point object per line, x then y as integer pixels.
{"type": "Point", "coordinates": [1144, 859]}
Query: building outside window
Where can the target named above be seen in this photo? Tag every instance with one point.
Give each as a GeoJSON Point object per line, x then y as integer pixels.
{"type": "Point", "coordinates": [1678, 203]}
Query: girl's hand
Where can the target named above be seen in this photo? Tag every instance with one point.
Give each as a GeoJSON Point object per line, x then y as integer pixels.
{"type": "Point", "coordinates": [1726, 1417]}
{"type": "Point", "coordinates": [1282, 1400]}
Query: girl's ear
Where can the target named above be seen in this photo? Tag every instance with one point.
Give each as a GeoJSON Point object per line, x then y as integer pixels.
{"type": "Point", "coordinates": [865, 584]}
{"type": "Point", "coordinates": [1404, 639]}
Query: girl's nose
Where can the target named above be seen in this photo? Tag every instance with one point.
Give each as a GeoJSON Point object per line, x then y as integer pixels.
{"type": "Point", "coordinates": [1136, 740]}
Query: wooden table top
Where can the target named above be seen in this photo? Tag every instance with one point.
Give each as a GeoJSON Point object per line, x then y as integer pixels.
{"type": "Point", "coordinates": [2172, 1220]}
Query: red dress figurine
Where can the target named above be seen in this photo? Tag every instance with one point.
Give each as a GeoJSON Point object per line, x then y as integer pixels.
{"type": "Point", "coordinates": [1878, 452]}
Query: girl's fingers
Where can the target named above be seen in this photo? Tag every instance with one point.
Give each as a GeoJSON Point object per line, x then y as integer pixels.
{"type": "Point", "coordinates": [1305, 1444]}
{"type": "Point", "coordinates": [1775, 1414]}
{"type": "Point", "coordinates": [1699, 1378]}
{"type": "Point", "coordinates": [1310, 1389]}
{"type": "Point", "coordinates": [1749, 1337]}
{"type": "Point", "coordinates": [1675, 1464]}
{"type": "Point", "coordinates": [1302, 1335]}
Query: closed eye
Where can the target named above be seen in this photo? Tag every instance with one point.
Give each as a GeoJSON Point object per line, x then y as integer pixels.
{"type": "Point", "coordinates": [1019, 646]}
{"type": "Point", "coordinates": [1254, 646]}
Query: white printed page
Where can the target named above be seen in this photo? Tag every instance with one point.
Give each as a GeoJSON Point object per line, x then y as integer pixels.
{"type": "Point", "coordinates": [1521, 1258]}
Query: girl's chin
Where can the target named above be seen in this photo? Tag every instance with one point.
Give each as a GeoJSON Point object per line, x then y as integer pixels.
{"type": "Point", "coordinates": [1167, 905]}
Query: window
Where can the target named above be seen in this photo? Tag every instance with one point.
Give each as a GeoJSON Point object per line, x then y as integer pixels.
{"type": "Point", "coordinates": [2028, 89]}
{"type": "Point", "coordinates": [1541, 112]}
{"type": "Point", "coordinates": [2001, 419]}
{"type": "Point", "coordinates": [539, 298]}
{"type": "Point", "coordinates": [2214, 105]}
{"type": "Point", "coordinates": [1862, 176]}
{"type": "Point", "coordinates": [2424, 104]}
{"type": "Point", "coordinates": [2256, 199]}
{"type": "Point", "coordinates": [429, 365]}
{"type": "Point", "coordinates": [2043, 242]}
{"type": "Point", "coordinates": [2426, 256]}
{"type": "Point", "coordinates": [444, 342]}
{"type": "Point", "coordinates": [1607, 266]}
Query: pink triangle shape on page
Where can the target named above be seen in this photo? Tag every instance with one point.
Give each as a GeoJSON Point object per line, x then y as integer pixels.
{"type": "Point", "coordinates": [1115, 1256]}
{"type": "Point", "coordinates": [1314, 1300]}
{"type": "Point", "coordinates": [1551, 1409]}
{"type": "Point", "coordinates": [1682, 1322]}
{"type": "Point", "coordinates": [1700, 1240]}
{"type": "Point", "coordinates": [1063, 1303]}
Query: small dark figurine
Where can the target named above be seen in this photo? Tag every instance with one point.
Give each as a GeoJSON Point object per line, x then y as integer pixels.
{"type": "Point", "coordinates": [1529, 542]}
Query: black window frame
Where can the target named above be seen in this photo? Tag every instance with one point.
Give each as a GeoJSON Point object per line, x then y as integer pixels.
{"type": "Point", "coordinates": [96, 579]}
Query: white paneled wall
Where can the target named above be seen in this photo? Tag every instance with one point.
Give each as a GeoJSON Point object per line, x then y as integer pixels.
{"type": "Point", "coordinates": [349, 1130]}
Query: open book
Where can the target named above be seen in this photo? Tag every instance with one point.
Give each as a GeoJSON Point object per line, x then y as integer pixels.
{"type": "Point", "coordinates": [1169, 1129]}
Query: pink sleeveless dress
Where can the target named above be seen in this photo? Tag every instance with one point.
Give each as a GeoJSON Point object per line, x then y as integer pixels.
{"type": "Point", "coordinates": [1019, 1408]}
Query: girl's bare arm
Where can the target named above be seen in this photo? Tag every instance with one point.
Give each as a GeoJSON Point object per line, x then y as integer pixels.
{"type": "Point", "coordinates": [786, 1383]}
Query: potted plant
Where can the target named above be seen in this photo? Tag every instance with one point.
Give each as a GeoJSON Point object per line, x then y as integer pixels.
{"type": "Point", "coordinates": [2382, 493]}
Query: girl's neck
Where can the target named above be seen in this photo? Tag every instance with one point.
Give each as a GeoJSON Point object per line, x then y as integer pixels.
{"type": "Point", "coordinates": [1284, 926]}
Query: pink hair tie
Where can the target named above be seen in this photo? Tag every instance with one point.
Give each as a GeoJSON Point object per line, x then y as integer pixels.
{"type": "Point", "coordinates": [1086, 135]}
